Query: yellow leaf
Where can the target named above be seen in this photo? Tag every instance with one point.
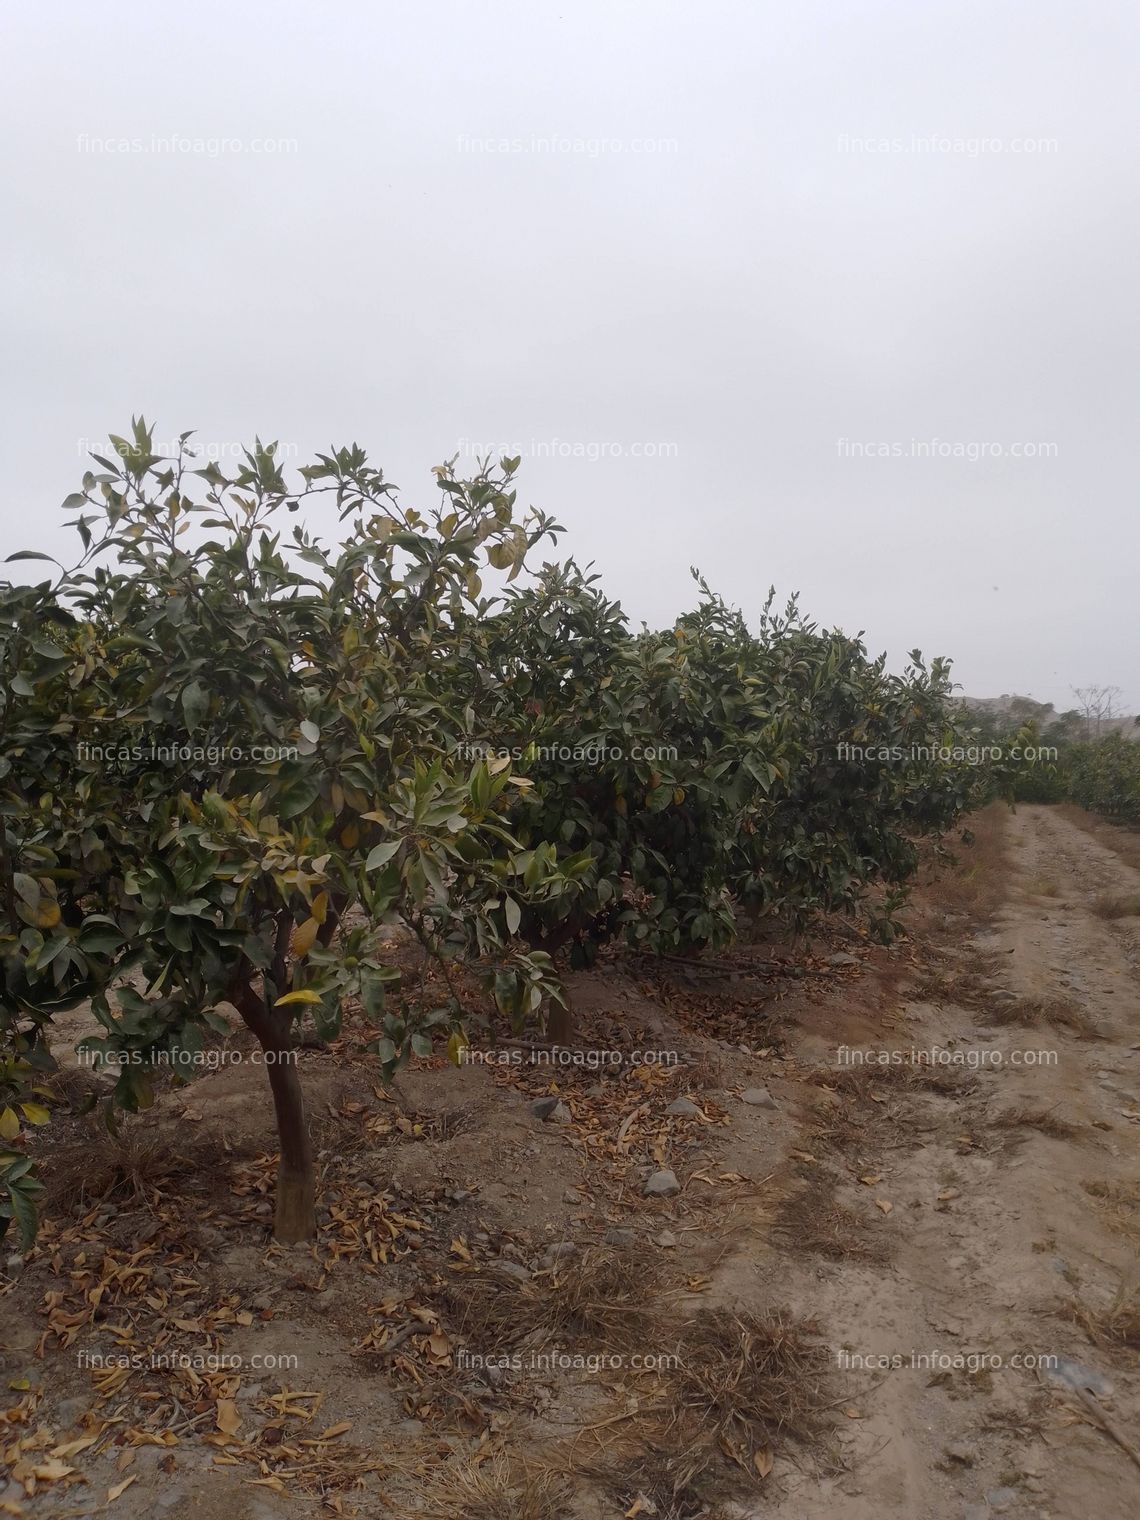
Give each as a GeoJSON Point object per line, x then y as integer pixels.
{"type": "Point", "coordinates": [304, 995]}
{"type": "Point", "coordinates": [304, 937]}
{"type": "Point", "coordinates": [35, 1113]}
{"type": "Point", "coordinates": [457, 1043]}
{"type": "Point", "coordinates": [320, 906]}
{"type": "Point", "coordinates": [228, 1418]}
{"type": "Point", "coordinates": [335, 1430]}
{"type": "Point", "coordinates": [350, 836]}
{"type": "Point", "coordinates": [9, 1124]}
{"type": "Point", "coordinates": [47, 914]}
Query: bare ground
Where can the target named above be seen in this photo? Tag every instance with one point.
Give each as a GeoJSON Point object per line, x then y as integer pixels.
{"type": "Point", "coordinates": [841, 1308]}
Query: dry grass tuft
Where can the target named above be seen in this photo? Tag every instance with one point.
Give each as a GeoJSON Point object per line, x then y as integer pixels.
{"type": "Point", "coordinates": [973, 881]}
{"type": "Point", "coordinates": [500, 1487]}
{"type": "Point", "coordinates": [1117, 905]}
{"type": "Point", "coordinates": [598, 1295]}
{"type": "Point", "coordinates": [1045, 1120]}
{"type": "Point", "coordinates": [1116, 1324]}
{"type": "Point", "coordinates": [1120, 1204]}
{"type": "Point", "coordinates": [814, 1222]}
{"type": "Point", "coordinates": [132, 1164]}
{"type": "Point", "coordinates": [744, 1382]}
{"type": "Point", "coordinates": [1062, 1013]}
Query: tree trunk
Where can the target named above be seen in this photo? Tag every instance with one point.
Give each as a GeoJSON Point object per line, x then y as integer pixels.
{"type": "Point", "coordinates": [296, 1215]}
{"type": "Point", "coordinates": [560, 1021]}
{"type": "Point", "coordinates": [296, 1212]}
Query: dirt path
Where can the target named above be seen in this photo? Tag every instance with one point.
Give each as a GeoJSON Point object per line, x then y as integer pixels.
{"type": "Point", "coordinates": [995, 1228]}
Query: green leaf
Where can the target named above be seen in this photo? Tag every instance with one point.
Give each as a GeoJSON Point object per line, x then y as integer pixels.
{"type": "Point", "coordinates": [513, 915]}
{"type": "Point", "coordinates": [381, 854]}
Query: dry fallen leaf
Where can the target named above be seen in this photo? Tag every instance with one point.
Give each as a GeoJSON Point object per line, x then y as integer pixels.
{"type": "Point", "coordinates": [762, 1460]}
{"type": "Point", "coordinates": [852, 1413]}
{"type": "Point", "coordinates": [947, 1193]}
{"type": "Point", "coordinates": [228, 1418]}
{"type": "Point", "coordinates": [871, 1178]}
{"type": "Point", "coordinates": [881, 1203]}
{"type": "Point", "coordinates": [119, 1488]}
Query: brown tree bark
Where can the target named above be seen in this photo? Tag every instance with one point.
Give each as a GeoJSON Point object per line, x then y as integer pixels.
{"type": "Point", "coordinates": [295, 1218]}
{"type": "Point", "coordinates": [560, 1021]}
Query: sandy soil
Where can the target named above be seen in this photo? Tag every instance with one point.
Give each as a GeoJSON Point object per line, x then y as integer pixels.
{"type": "Point", "coordinates": [934, 1225]}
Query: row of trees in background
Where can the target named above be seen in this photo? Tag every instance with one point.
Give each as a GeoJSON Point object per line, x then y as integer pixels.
{"type": "Point", "coordinates": [230, 754]}
{"type": "Point", "coordinates": [1097, 761]}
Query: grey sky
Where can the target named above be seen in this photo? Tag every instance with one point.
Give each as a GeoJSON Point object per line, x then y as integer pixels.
{"type": "Point", "coordinates": [674, 253]}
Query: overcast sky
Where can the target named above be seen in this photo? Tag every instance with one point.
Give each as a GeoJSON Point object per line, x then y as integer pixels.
{"type": "Point", "coordinates": [840, 296]}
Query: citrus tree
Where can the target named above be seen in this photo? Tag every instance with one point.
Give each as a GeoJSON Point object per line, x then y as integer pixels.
{"type": "Point", "coordinates": [229, 756]}
{"type": "Point", "coordinates": [706, 767]}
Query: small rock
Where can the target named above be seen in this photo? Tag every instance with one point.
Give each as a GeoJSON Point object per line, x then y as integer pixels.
{"type": "Point", "coordinates": [1000, 1499]}
{"type": "Point", "coordinates": [570, 1196]}
{"type": "Point", "coordinates": [843, 959]}
{"type": "Point", "coordinates": [1070, 1374]}
{"type": "Point", "coordinates": [561, 1115]}
{"type": "Point", "coordinates": [261, 1302]}
{"type": "Point", "coordinates": [171, 1497]}
{"type": "Point", "coordinates": [667, 1239]}
{"type": "Point", "coordinates": [684, 1106]}
{"type": "Point", "coordinates": [662, 1184]}
{"type": "Point", "coordinates": [758, 1097]}
{"type": "Point", "coordinates": [507, 1268]}
{"type": "Point", "coordinates": [71, 1411]}
{"type": "Point", "coordinates": [963, 1452]}
{"type": "Point", "coordinates": [542, 1108]}
{"type": "Point", "coordinates": [620, 1235]}
{"type": "Point", "coordinates": [13, 1265]}
{"type": "Point", "coordinates": [559, 1251]}
{"type": "Point", "coordinates": [410, 1427]}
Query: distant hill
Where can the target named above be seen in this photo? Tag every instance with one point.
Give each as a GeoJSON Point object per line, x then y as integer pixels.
{"type": "Point", "coordinates": [1009, 710]}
